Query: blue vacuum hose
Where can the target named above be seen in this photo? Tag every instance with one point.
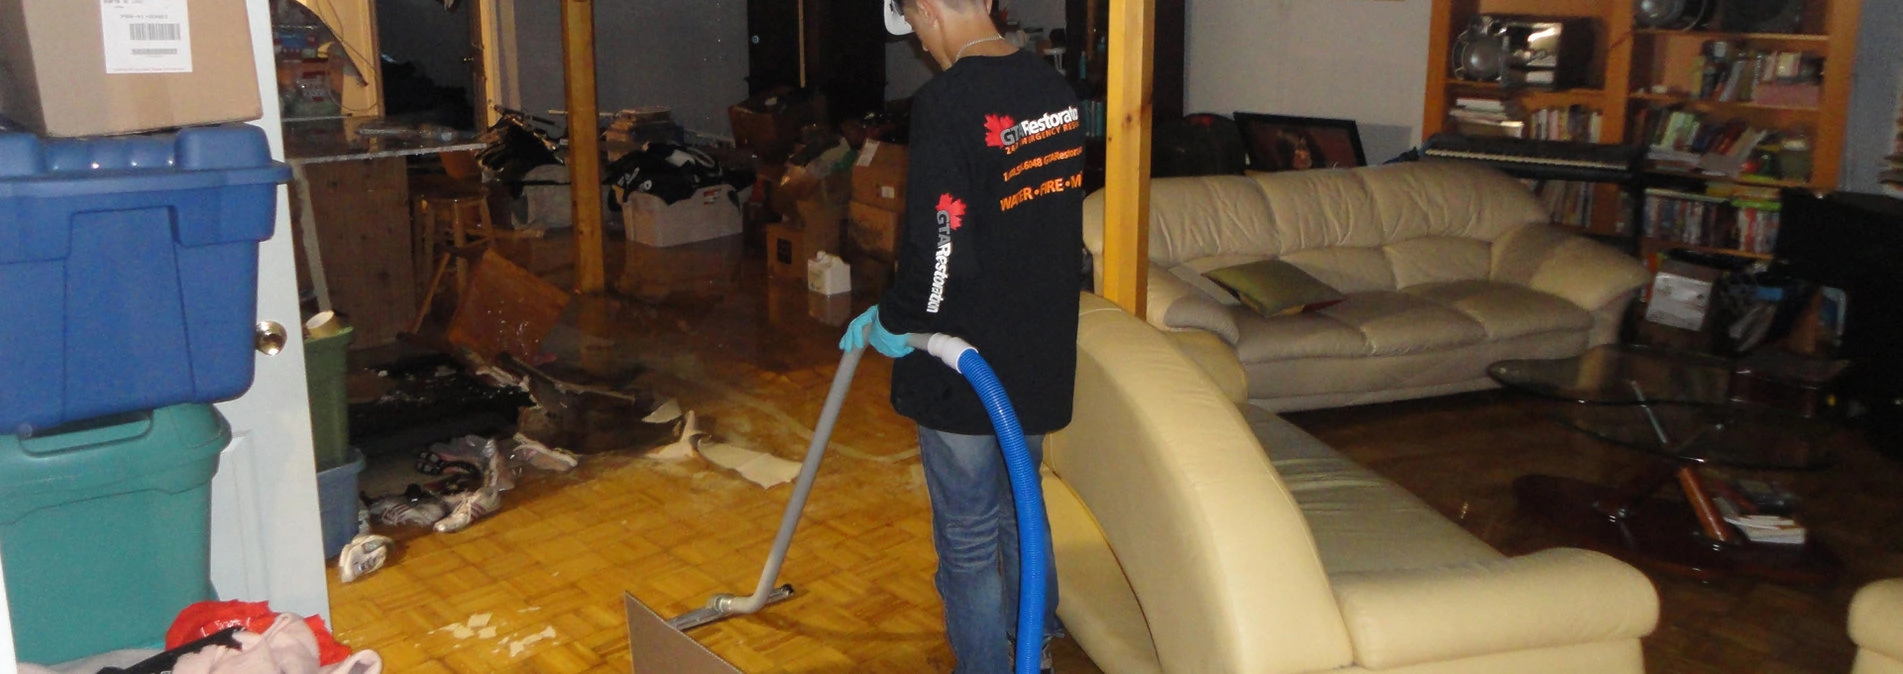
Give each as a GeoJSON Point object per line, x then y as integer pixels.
{"type": "Point", "coordinates": [1026, 490]}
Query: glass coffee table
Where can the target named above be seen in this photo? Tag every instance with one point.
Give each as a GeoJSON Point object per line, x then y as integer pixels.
{"type": "Point", "coordinates": [1674, 407]}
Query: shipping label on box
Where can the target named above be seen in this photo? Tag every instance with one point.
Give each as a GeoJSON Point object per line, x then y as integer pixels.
{"type": "Point", "coordinates": [878, 177]}
{"type": "Point", "coordinates": [145, 36]}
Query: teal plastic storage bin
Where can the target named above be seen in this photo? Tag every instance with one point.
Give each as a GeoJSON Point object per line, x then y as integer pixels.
{"type": "Point", "coordinates": [105, 529]}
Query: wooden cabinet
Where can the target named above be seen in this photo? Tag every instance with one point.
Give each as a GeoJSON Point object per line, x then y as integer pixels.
{"type": "Point", "coordinates": [1649, 85]}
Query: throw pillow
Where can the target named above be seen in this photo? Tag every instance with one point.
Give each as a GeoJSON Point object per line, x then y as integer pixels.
{"type": "Point", "coordinates": [1276, 288]}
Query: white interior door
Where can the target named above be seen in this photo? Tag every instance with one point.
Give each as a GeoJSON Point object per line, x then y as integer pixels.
{"type": "Point", "coordinates": [266, 543]}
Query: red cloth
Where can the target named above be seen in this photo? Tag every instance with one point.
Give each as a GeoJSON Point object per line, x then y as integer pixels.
{"type": "Point", "coordinates": [206, 618]}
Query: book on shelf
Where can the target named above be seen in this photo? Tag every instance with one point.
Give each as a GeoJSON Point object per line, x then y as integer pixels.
{"type": "Point", "coordinates": [1731, 73]}
{"type": "Point", "coordinates": [1568, 202]}
{"type": "Point", "coordinates": [1739, 221]}
{"type": "Point", "coordinates": [1571, 123]}
{"type": "Point", "coordinates": [1693, 142]}
{"type": "Point", "coordinates": [1476, 103]}
{"type": "Point", "coordinates": [1486, 117]}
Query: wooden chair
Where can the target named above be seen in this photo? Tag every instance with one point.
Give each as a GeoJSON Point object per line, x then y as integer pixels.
{"type": "Point", "coordinates": [453, 212]}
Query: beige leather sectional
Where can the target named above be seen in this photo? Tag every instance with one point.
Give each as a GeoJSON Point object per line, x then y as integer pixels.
{"type": "Point", "coordinates": [1195, 533]}
{"type": "Point", "coordinates": [1447, 267]}
{"type": "Point", "coordinates": [1876, 624]}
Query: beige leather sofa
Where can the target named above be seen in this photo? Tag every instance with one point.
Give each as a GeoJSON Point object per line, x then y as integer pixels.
{"type": "Point", "coordinates": [1876, 624]}
{"type": "Point", "coordinates": [1448, 268]}
{"type": "Point", "coordinates": [1195, 534]}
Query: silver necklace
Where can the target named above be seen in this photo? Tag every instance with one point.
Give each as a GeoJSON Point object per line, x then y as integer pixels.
{"type": "Point", "coordinates": [968, 45]}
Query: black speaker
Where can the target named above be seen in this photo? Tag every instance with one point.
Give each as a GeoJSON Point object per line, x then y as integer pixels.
{"type": "Point", "coordinates": [1524, 51]}
{"type": "Point", "coordinates": [1480, 52]}
{"type": "Point", "coordinates": [1761, 16]}
{"type": "Point", "coordinates": [1673, 14]}
{"type": "Point", "coordinates": [1854, 242]}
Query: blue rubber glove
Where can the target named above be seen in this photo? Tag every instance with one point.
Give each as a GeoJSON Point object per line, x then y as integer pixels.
{"type": "Point", "coordinates": [866, 329]}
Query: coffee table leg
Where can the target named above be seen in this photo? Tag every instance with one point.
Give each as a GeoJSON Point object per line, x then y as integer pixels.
{"type": "Point", "coordinates": [1709, 519]}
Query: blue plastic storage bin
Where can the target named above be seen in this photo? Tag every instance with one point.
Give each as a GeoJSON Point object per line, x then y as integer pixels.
{"type": "Point", "coordinates": [105, 529]}
{"type": "Point", "coordinates": [337, 503]}
{"type": "Point", "coordinates": [129, 270]}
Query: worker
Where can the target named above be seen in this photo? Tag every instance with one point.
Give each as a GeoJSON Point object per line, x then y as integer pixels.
{"type": "Point", "coordinates": [990, 251]}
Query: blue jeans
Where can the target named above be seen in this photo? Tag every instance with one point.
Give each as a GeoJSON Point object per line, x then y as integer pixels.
{"type": "Point", "coordinates": [975, 530]}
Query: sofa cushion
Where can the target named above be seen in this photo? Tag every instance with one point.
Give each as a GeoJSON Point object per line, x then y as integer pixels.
{"type": "Point", "coordinates": [1506, 311]}
{"type": "Point", "coordinates": [1361, 522]}
{"type": "Point", "coordinates": [1310, 335]}
{"type": "Point", "coordinates": [1276, 288]}
{"type": "Point", "coordinates": [1309, 383]}
{"type": "Point", "coordinates": [1367, 324]}
{"type": "Point", "coordinates": [1435, 259]}
{"type": "Point", "coordinates": [1347, 269]}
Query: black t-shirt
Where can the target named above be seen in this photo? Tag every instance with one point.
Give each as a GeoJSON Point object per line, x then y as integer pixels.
{"type": "Point", "coordinates": [991, 242]}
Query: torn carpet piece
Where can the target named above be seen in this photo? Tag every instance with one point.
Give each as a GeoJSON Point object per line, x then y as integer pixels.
{"type": "Point", "coordinates": [762, 469]}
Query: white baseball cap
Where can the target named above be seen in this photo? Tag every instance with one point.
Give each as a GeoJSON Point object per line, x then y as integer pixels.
{"type": "Point", "coordinates": [895, 22]}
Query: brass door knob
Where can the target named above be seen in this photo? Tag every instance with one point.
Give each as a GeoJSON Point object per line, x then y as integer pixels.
{"type": "Point", "coordinates": [271, 338]}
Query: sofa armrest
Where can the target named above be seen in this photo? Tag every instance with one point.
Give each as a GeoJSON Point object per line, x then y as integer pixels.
{"type": "Point", "coordinates": [1218, 359]}
{"type": "Point", "coordinates": [1175, 305]}
{"type": "Point", "coordinates": [1876, 629]}
{"type": "Point", "coordinates": [1585, 272]}
{"type": "Point", "coordinates": [1556, 597]}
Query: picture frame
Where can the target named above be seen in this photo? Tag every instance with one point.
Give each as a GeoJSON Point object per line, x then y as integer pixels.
{"type": "Point", "coordinates": [1289, 143]}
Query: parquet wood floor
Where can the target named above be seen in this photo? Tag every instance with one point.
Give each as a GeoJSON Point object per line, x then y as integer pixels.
{"type": "Point", "coordinates": [754, 366]}
{"type": "Point", "coordinates": [548, 570]}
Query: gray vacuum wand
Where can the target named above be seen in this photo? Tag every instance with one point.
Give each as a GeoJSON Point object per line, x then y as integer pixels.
{"type": "Point", "coordinates": [723, 606]}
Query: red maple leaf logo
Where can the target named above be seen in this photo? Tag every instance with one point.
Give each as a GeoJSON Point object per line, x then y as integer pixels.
{"type": "Point", "coordinates": [995, 126]}
{"type": "Point", "coordinates": [952, 210]}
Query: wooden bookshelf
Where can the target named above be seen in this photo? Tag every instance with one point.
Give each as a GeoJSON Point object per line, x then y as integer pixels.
{"type": "Point", "coordinates": [1635, 69]}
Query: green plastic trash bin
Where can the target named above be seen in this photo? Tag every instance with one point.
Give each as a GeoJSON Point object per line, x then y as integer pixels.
{"type": "Point", "coordinates": [105, 529]}
{"type": "Point", "coordinates": [325, 363]}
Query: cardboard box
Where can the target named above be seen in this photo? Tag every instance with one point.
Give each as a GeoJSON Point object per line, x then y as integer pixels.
{"type": "Point", "coordinates": [817, 205]}
{"type": "Point", "coordinates": [1681, 295]}
{"type": "Point", "coordinates": [822, 222]}
{"type": "Point", "coordinates": [709, 214]}
{"type": "Point", "coordinates": [701, 268]}
{"type": "Point", "coordinates": [873, 231]}
{"type": "Point", "coordinates": [786, 252]}
{"type": "Point", "coordinates": [878, 177]}
{"type": "Point", "coordinates": [73, 68]}
{"type": "Point", "coordinates": [770, 123]}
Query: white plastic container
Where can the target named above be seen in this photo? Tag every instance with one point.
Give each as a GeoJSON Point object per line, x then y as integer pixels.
{"type": "Point", "coordinates": [826, 274]}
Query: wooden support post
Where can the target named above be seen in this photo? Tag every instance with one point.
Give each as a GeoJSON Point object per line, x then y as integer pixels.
{"type": "Point", "coordinates": [584, 147]}
{"type": "Point", "coordinates": [1126, 246]}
